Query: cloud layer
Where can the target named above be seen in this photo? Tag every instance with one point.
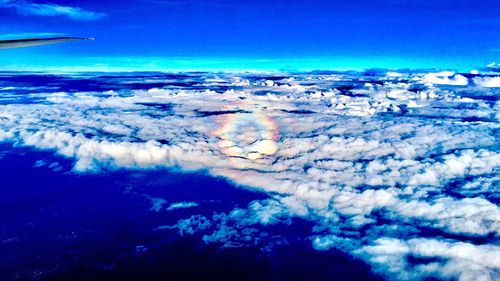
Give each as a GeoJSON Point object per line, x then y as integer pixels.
{"type": "Point", "coordinates": [398, 170]}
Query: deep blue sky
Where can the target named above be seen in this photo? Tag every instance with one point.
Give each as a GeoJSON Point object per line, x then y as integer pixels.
{"type": "Point", "coordinates": [190, 34]}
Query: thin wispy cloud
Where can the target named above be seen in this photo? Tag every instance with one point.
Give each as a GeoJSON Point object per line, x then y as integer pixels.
{"type": "Point", "coordinates": [30, 8]}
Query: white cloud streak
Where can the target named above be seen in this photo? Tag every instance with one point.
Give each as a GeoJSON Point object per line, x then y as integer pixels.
{"type": "Point", "coordinates": [181, 205]}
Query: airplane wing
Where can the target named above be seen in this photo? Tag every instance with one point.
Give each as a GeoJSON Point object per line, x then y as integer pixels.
{"type": "Point", "coordinates": [19, 43]}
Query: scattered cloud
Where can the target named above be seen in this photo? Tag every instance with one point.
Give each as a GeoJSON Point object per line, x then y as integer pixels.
{"type": "Point", "coordinates": [193, 224]}
{"type": "Point", "coordinates": [26, 7]}
{"type": "Point", "coordinates": [157, 204]}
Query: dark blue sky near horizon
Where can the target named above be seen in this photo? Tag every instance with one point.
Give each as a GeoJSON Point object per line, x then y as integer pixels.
{"type": "Point", "coordinates": [221, 34]}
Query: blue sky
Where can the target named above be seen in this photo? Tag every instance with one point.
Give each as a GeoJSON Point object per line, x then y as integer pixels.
{"type": "Point", "coordinates": [224, 34]}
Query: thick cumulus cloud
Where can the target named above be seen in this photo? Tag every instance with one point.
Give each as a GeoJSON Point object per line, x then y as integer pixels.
{"type": "Point", "coordinates": [447, 258]}
{"type": "Point", "coordinates": [489, 82]}
{"type": "Point", "coordinates": [26, 7]}
{"type": "Point", "coordinates": [446, 78]}
{"type": "Point", "coordinates": [400, 170]}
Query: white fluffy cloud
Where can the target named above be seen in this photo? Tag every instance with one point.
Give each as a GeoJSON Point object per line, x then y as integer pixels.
{"type": "Point", "coordinates": [375, 166]}
{"type": "Point", "coordinates": [446, 78]}
{"type": "Point", "coordinates": [444, 259]}
{"type": "Point", "coordinates": [488, 82]}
